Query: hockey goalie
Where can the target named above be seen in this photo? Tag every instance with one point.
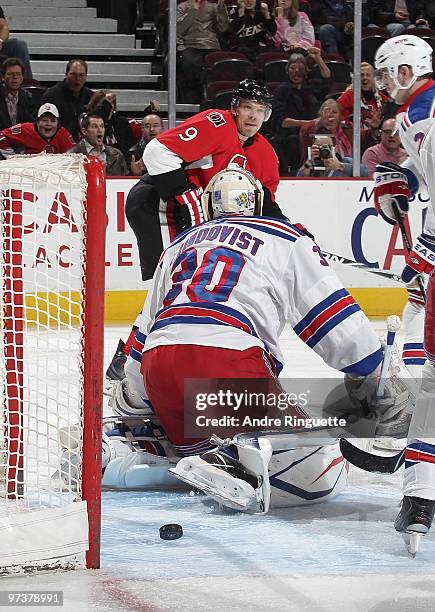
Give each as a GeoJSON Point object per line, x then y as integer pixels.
{"type": "Point", "coordinates": [222, 293]}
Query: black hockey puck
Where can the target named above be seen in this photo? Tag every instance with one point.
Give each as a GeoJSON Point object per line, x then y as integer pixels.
{"type": "Point", "coordinates": [172, 531]}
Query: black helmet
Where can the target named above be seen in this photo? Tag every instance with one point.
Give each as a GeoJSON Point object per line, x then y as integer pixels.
{"type": "Point", "coordinates": [248, 89]}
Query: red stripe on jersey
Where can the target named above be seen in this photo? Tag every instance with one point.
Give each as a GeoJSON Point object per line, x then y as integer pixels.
{"type": "Point", "coordinates": [282, 227]}
{"type": "Point", "coordinates": [171, 219]}
{"type": "Point", "coordinates": [324, 316]}
{"type": "Point", "coordinates": [413, 455]}
{"type": "Point", "coordinates": [413, 353]}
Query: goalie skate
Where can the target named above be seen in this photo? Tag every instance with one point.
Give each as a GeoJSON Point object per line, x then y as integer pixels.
{"type": "Point", "coordinates": [414, 521]}
{"type": "Point", "coordinates": [235, 476]}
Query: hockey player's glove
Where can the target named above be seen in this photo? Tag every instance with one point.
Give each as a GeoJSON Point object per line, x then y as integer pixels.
{"type": "Point", "coordinates": [421, 260]}
{"type": "Point", "coordinates": [191, 198]}
{"type": "Point", "coordinates": [394, 185]}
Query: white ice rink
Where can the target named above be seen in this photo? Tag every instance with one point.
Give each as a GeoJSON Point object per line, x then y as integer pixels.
{"type": "Point", "coordinates": [342, 555]}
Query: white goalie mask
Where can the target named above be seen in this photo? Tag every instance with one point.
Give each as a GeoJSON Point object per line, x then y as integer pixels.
{"type": "Point", "coordinates": [398, 51]}
{"type": "Point", "coordinates": [234, 190]}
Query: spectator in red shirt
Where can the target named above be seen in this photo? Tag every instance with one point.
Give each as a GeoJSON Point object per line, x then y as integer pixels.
{"type": "Point", "coordinates": [371, 99]}
{"type": "Point", "coordinates": [45, 135]}
{"type": "Point", "coordinates": [389, 149]}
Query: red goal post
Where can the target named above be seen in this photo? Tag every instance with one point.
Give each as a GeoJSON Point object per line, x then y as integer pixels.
{"type": "Point", "coordinates": [52, 228]}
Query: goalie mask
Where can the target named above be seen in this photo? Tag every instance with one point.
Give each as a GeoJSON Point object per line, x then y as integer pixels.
{"type": "Point", "coordinates": [398, 51]}
{"type": "Point", "coordinates": [235, 191]}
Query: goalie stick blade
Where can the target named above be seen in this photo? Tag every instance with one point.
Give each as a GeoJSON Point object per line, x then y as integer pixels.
{"type": "Point", "coordinates": [368, 461]}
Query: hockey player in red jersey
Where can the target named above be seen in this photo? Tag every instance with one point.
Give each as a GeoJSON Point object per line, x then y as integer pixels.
{"type": "Point", "coordinates": [46, 135]}
{"type": "Point", "coordinates": [404, 69]}
{"type": "Point", "coordinates": [180, 163]}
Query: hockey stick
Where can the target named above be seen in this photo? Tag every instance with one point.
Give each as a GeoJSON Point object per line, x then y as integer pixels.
{"type": "Point", "coordinates": [350, 262]}
{"type": "Point", "coordinates": [365, 460]}
{"type": "Point", "coordinates": [368, 461]}
{"type": "Point", "coordinates": [408, 245]}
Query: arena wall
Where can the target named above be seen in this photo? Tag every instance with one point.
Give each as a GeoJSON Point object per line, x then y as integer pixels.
{"type": "Point", "coordinates": [340, 214]}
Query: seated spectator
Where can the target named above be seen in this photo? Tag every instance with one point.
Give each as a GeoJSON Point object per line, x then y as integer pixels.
{"type": "Point", "coordinates": [253, 28]}
{"type": "Point", "coordinates": [328, 122]}
{"type": "Point", "coordinates": [16, 104]}
{"type": "Point", "coordinates": [372, 100]}
{"type": "Point", "coordinates": [294, 104]}
{"type": "Point", "coordinates": [71, 95]}
{"type": "Point", "coordinates": [389, 149]}
{"type": "Point", "coordinates": [152, 126]}
{"type": "Point", "coordinates": [294, 28]}
{"type": "Point", "coordinates": [398, 15]}
{"type": "Point", "coordinates": [46, 135]}
{"type": "Point", "coordinates": [92, 143]}
{"type": "Point", "coordinates": [14, 47]}
{"type": "Point", "coordinates": [325, 161]}
{"type": "Point", "coordinates": [335, 21]}
{"type": "Point", "coordinates": [199, 23]}
{"type": "Point", "coordinates": [117, 128]}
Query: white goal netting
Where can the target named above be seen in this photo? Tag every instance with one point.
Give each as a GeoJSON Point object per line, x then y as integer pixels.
{"type": "Point", "coordinates": [44, 233]}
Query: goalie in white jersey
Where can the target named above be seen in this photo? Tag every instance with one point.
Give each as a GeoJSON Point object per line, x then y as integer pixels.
{"type": "Point", "coordinates": [222, 293]}
{"type": "Point", "coordinates": [404, 68]}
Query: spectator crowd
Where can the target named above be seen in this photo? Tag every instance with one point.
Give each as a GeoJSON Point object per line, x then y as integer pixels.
{"type": "Point", "coordinates": [302, 49]}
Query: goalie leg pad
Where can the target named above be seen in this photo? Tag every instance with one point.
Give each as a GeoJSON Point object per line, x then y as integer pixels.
{"type": "Point", "coordinates": [126, 402]}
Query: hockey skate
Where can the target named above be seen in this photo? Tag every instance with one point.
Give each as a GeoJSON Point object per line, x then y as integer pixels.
{"type": "Point", "coordinates": [234, 474]}
{"type": "Point", "coordinates": [115, 371]}
{"type": "Point", "coordinates": [414, 520]}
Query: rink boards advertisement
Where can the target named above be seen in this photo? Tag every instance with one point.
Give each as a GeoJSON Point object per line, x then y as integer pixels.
{"type": "Point", "coordinates": [338, 212]}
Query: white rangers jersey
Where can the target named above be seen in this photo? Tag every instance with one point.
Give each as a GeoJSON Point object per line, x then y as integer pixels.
{"type": "Point", "coordinates": [235, 281]}
{"type": "Point", "coordinates": [416, 120]}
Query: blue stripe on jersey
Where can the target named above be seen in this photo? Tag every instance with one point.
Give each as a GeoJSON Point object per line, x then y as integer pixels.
{"type": "Point", "coordinates": [421, 107]}
{"type": "Point", "coordinates": [422, 447]}
{"type": "Point", "coordinates": [321, 306]}
{"type": "Point", "coordinates": [331, 323]}
{"type": "Point", "coordinates": [366, 365]}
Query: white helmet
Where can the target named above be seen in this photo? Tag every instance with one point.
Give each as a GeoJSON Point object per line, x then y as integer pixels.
{"type": "Point", "coordinates": [233, 190]}
{"type": "Point", "coordinates": [393, 53]}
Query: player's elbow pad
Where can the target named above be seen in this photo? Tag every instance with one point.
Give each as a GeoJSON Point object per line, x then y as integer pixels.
{"type": "Point", "coordinates": [170, 183]}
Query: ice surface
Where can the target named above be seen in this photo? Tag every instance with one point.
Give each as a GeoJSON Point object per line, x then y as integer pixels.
{"type": "Point", "coordinates": [342, 555]}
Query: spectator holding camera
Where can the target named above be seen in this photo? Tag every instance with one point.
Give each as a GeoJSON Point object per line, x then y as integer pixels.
{"type": "Point", "coordinates": [328, 122]}
{"type": "Point", "coordinates": [323, 160]}
{"type": "Point", "coordinates": [294, 28]}
{"type": "Point", "coordinates": [253, 28]}
{"type": "Point", "coordinates": [388, 150]}
{"type": "Point", "coordinates": [152, 126]}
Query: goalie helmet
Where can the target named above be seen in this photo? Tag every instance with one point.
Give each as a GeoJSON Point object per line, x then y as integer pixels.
{"type": "Point", "coordinates": [234, 190]}
{"type": "Point", "coordinates": [398, 51]}
{"type": "Point", "coordinates": [248, 89]}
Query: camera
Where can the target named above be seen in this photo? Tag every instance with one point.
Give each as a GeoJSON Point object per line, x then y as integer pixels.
{"type": "Point", "coordinates": [325, 152]}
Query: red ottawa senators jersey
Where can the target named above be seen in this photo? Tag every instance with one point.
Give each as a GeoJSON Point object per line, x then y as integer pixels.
{"type": "Point", "coordinates": [24, 138]}
{"type": "Point", "coordinates": [208, 142]}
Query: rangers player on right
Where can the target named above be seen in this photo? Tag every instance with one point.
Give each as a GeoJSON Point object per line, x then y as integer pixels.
{"type": "Point", "coordinates": [404, 69]}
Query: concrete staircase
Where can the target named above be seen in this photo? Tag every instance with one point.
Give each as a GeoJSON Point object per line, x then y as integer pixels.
{"type": "Point", "coordinates": [58, 30]}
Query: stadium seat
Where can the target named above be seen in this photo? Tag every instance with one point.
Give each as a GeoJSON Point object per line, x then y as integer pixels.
{"type": "Point", "coordinates": [369, 46]}
{"type": "Point", "coordinates": [340, 72]}
{"type": "Point", "coordinates": [232, 69]}
{"type": "Point", "coordinates": [37, 93]}
{"type": "Point", "coordinates": [374, 31]}
{"type": "Point", "coordinates": [268, 56]}
{"type": "Point", "coordinates": [217, 87]}
{"type": "Point", "coordinates": [217, 56]}
{"type": "Point", "coordinates": [275, 70]}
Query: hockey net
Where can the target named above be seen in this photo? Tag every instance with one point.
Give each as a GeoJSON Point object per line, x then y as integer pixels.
{"type": "Point", "coordinates": [52, 228]}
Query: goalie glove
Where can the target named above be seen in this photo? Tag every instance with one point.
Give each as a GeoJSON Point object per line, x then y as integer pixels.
{"type": "Point", "coordinates": [191, 199]}
{"type": "Point", "coordinates": [421, 259]}
{"type": "Point", "coordinates": [394, 186]}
